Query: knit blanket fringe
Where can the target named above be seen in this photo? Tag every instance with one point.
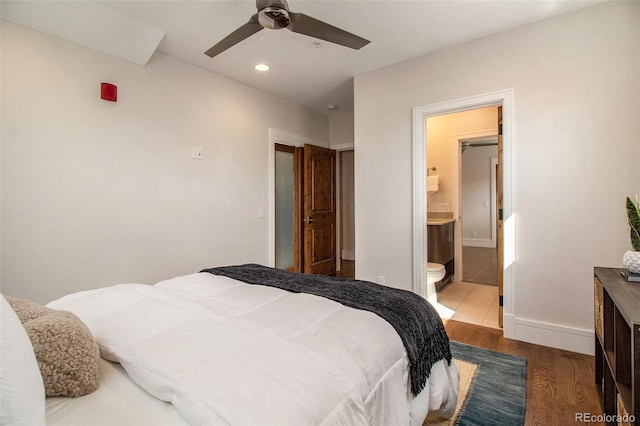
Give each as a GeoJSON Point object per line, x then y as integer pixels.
{"type": "Point", "coordinates": [414, 319]}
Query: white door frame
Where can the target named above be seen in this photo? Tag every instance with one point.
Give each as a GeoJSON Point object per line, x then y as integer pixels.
{"type": "Point", "coordinates": [420, 115]}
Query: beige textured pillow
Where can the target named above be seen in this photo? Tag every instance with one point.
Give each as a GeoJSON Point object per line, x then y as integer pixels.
{"type": "Point", "coordinates": [65, 349]}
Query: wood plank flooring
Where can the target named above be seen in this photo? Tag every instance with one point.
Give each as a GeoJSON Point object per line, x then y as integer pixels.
{"type": "Point", "coordinates": [559, 383]}
{"type": "Point", "coordinates": [347, 269]}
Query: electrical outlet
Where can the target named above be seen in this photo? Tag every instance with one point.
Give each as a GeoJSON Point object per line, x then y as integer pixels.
{"type": "Point", "coordinates": [380, 279]}
{"type": "Point", "coordinates": [485, 204]}
{"type": "Point", "coordinates": [474, 234]}
{"type": "Point", "coordinates": [197, 153]}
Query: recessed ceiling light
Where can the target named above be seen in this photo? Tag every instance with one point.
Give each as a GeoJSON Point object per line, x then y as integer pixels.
{"type": "Point", "coordinates": [262, 67]}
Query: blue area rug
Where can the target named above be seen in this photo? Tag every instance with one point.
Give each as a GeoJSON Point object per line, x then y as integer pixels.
{"type": "Point", "coordinates": [498, 392]}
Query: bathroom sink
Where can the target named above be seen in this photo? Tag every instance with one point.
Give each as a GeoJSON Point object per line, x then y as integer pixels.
{"type": "Point", "coordinates": [439, 221]}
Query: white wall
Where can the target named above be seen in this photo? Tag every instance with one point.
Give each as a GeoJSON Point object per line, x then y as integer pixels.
{"type": "Point", "coordinates": [341, 129]}
{"type": "Point", "coordinates": [441, 145]}
{"type": "Point", "coordinates": [95, 193]}
{"type": "Point", "coordinates": [576, 144]}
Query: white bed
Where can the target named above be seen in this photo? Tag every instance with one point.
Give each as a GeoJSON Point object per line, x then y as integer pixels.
{"type": "Point", "coordinates": [205, 349]}
{"type": "Point", "coordinates": [117, 401]}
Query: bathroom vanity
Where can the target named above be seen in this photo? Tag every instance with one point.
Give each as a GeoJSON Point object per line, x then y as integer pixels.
{"type": "Point", "coordinates": [440, 235]}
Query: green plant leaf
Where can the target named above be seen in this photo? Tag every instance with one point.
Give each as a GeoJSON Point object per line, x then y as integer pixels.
{"type": "Point", "coordinates": [633, 213]}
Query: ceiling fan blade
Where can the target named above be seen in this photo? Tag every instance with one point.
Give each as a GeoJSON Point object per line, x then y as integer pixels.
{"type": "Point", "coordinates": [245, 31]}
{"type": "Point", "coordinates": [304, 24]}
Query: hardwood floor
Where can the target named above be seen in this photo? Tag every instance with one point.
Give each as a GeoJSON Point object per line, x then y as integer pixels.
{"type": "Point", "coordinates": [347, 269]}
{"type": "Point", "coordinates": [559, 383]}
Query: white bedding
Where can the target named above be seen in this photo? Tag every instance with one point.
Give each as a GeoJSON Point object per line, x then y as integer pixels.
{"type": "Point", "coordinates": [224, 352]}
{"type": "Point", "coordinates": [117, 401]}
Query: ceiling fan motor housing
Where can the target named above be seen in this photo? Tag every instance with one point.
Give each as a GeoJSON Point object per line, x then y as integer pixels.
{"type": "Point", "coordinates": [273, 15]}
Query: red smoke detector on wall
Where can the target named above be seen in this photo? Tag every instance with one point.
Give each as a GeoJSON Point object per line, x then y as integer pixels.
{"type": "Point", "coordinates": [109, 92]}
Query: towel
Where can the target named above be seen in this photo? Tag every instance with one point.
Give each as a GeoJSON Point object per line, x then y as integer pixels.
{"type": "Point", "coordinates": [433, 182]}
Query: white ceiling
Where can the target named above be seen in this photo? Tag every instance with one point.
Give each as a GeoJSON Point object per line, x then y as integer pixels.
{"type": "Point", "coordinates": [302, 71]}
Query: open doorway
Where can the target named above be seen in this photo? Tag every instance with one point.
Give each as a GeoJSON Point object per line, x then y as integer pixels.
{"type": "Point", "coordinates": [346, 214]}
{"type": "Point", "coordinates": [506, 229]}
{"type": "Point", "coordinates": [305, 209]}
{"type": "Point", "coordinates": [459, 148]}
{"type": "Point", "coordinates": [301, 203]}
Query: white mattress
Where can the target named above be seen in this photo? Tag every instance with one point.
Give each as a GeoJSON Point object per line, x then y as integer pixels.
{"type": "Point", "coordinates": [224, 352]}
{"type": "Point", "coordinates": [117, 401]}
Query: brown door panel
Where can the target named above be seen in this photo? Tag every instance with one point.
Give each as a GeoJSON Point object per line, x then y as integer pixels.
{"type": "Point", "coordinates": [321, 181]}
{"type": "Point", "coordinates": [319, 210]}
{"type": "Point", "coordinates": [321, 255]}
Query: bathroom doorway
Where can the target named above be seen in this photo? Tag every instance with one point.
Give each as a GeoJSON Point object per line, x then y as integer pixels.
{"type": "Point", "coordinates": [463, 148]}
{"type": "Point", "coordinates": [503, 100]}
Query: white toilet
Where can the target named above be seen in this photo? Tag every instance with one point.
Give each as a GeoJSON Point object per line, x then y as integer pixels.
{"type": "Point", "coordinates": [435, 273]}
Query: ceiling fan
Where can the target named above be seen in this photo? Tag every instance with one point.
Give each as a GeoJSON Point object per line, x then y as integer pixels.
{"type": "Point", "coordinates": [275, 15]}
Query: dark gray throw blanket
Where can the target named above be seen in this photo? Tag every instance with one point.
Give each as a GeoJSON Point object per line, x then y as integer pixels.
{"type": "Point", "coordinates": [413, 318]}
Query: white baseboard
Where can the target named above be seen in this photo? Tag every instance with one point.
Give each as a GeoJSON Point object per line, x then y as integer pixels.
{"type": "Point", "coordinates": [477, 242]}
{"type": "Point", "coordinates": [552, 335]}
{"type": "Point", "coordinates": [348, 255]}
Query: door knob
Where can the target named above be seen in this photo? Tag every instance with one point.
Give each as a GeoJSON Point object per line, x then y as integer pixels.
{"type": "Point", "coordinates": [308, 219]}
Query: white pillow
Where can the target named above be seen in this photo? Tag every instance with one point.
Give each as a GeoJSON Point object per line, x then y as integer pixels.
{"type": "Point", "coordinates": [21, 387]}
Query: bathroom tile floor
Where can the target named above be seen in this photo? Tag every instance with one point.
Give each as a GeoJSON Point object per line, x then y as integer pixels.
{"type": "Point", "coordinates": [470, 303]}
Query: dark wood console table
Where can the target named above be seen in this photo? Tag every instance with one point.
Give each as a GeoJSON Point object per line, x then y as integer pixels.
{"type": "Point", "coordinates": [617, 344]}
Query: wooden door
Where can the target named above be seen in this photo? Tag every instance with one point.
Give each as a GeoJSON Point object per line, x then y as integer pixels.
{"type": "Point", "coordinates": [319, 210]}
{"type": "Point", "coordinates": [499, 218]}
